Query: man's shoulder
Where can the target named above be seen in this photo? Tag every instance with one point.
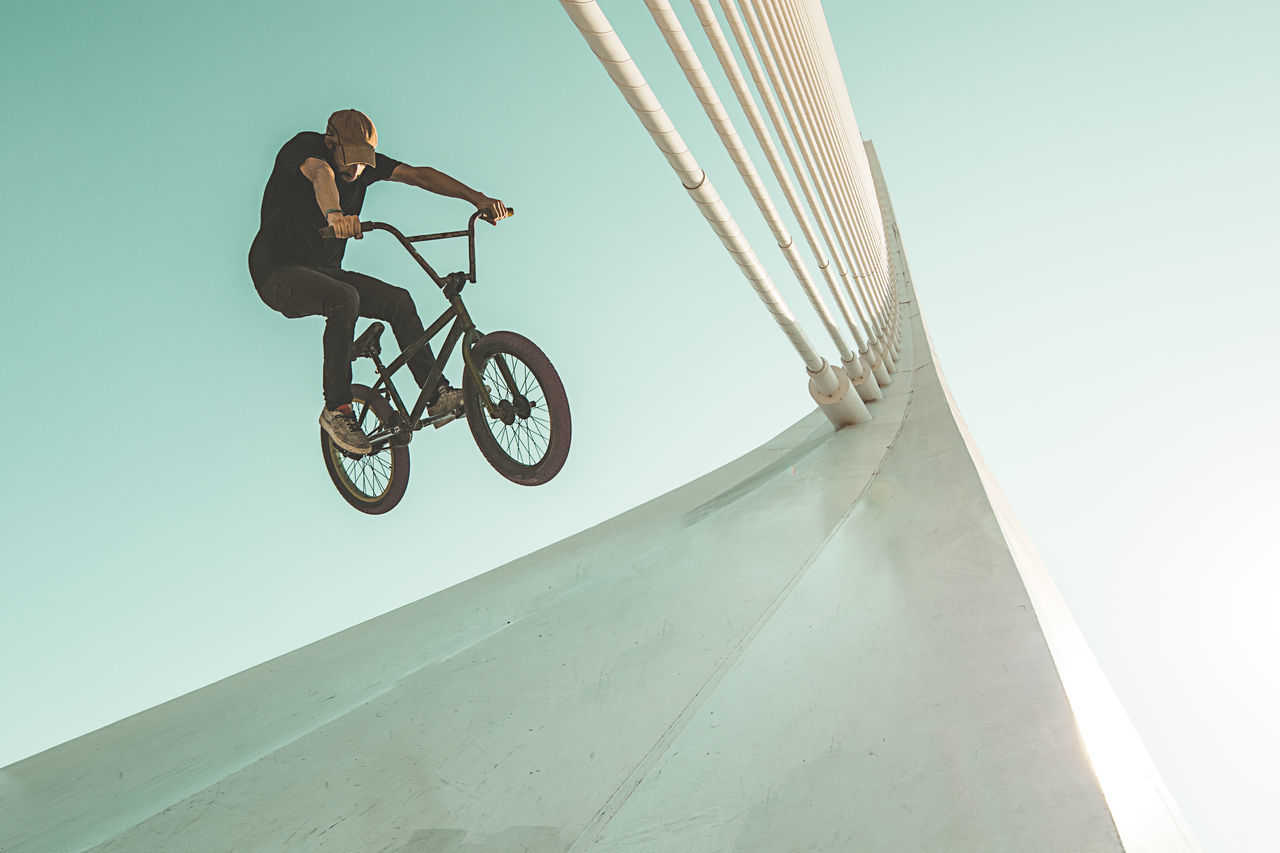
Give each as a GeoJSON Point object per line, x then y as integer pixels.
{"type": "Point", "coordinates": [383, 167]}
{"type": "Point", "coordinates": [308, 143]}
{"type": "Point", "coordinates": [310, 137]}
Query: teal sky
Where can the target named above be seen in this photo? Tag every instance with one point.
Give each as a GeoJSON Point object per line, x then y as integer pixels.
{"type": "Point", "coordinates": [1087, 194]}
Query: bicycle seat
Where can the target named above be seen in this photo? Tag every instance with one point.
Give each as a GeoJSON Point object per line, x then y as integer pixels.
{"type": "Point", "coordinates": [368, 344]}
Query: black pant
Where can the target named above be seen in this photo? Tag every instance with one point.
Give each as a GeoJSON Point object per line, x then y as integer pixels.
{"type": "Point", "coordinates": [340, 297]}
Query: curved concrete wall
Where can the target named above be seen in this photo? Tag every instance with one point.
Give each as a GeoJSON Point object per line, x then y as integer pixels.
{"type": "Point", "coordinates": [840, 641]}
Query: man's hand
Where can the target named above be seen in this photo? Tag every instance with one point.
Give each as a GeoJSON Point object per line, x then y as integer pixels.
{"type": "Point", "coordinates": [491, 209]}
{"type": "Point", "coordinates": [344, 226]}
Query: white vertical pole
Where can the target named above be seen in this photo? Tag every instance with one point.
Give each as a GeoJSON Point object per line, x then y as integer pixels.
{"type": "Point", "coordinates": [866, 358]}
{"type": "Point", "coordinates": [837, 126]}
{"type": "Point", "coordinates": [673, 32]}
{"type": "Point", "coordinates": [875, 327]}
{"type": "Point", "coordinates": [802, 114]}
{"type": "Point", "coordinates": [827, 132]}
{"type": "Point", "coordinates": [829, 388]}
{"type": "Point", "coordinates": [819, 205]}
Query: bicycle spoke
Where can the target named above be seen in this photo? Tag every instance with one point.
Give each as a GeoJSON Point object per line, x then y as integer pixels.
{"type": "Point", "coordinates": [370, 475]}
{"type": "Point", "coordinates": [526, 440]}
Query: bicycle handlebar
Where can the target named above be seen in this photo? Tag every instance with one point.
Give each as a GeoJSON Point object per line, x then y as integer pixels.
{"type": "Point", "coordinates": [407, 242]}
{"type": "Point", "coordinates": [327, 231]}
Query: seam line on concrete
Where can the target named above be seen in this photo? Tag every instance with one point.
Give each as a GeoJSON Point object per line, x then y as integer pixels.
{"type": "Point", "coordinates": [591, 833]}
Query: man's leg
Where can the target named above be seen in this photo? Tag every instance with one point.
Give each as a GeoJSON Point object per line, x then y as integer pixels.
{"type": "Point", "coordinates": [298, 291]}
{"type": "Point", "coordinates": [383, 301]}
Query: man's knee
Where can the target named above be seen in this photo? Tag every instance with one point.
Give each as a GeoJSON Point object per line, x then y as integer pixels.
{"type": "Point", "coordinates": [401, 301]}
{"type": "Point", "coordinates": [342, 303]}
{"type": "Point", "coordinates": [399, 310]}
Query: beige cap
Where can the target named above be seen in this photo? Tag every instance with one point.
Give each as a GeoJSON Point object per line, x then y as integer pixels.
{"type": "Point", "coordinates": [354, 137]}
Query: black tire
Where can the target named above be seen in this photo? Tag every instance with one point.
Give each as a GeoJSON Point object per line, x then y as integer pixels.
{"type": "Point", "coordinates": [373, 483]}
{"type": "Point", "coordinates": [530, 442]}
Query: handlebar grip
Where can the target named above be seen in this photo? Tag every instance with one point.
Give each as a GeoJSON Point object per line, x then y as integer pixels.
{"type": "Point", "coordinates": [511, 211]}
{"type": "Point", "coordinates": [327, 231]}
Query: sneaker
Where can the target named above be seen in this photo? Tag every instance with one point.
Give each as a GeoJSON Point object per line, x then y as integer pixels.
{"type": "Point", "coordinates": [344, 431]}
{"type": "Point", "coordinates": [447, 400]}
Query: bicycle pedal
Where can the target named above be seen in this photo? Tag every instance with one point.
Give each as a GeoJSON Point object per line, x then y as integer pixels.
{"type": "Point", "coordinates": [448, 418]}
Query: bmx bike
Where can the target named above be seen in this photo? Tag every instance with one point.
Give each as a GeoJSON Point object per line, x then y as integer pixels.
{"type": "Point", "coordinates": [513, 399]}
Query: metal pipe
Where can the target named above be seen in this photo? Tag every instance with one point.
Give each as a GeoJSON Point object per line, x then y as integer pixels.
{"type": "Point", "coordinates": [798, 125]}
{"type": "Point", "coordinates": [806, 111]}
{"type": "Point", "coordinates": [821, 36]}
{"type": "Point", "coordinates": [800, 26]}
{"type": "Point", "coordinates": [859, 366]}
{"type": "Point", "coordinates": [608, 48]}
{"type": "Point", "coordinates": [759, 74]}
{"type": "Point", "coordinates": [838, 126]}
{"type": "Point", "coordinates": [831, 133]}
{"type": "Point", "coordinates": [686, 56]}
{"type": "Point", "coordinates": [796, 120]}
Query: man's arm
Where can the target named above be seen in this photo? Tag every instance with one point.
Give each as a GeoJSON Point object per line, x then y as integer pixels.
{"type": "Point", "coordinates": [433, 180]}
{"type": "Point", "coordinates": [320, 174]}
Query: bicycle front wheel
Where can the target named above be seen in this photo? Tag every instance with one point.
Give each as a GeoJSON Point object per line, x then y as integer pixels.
{"type": "Point", "coordinates": [527, 440]}
{"type": "Point", "coordinates": [373, 483]}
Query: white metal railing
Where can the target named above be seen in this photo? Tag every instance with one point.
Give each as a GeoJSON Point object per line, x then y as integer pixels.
{"type": "Point", "coordinates": [673, 33]}
{"type": "Point", "coordinates": [851, 168]}
{"type": "Point", "coordinates": [803, 114]}
{"type": "Point", "coordinates": [819, 202]}
{"type": "Point", "coordinates": [829, 388]}
{"type": "Point", "coordinates": [833, 187]}
{"type": "Point", "coordinates": [827, 66]}
{"type": "Point", "coordinates": [868, 359]}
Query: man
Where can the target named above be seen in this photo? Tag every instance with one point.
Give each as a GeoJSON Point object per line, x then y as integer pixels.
{"type": "Point", "coordinates": [321, 179]}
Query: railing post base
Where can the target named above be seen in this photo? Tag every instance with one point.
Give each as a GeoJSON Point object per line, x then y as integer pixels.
{"type": "Point", "coordinates": [863, 379]}
{"type": "Point", "coordinates": [830, 389]}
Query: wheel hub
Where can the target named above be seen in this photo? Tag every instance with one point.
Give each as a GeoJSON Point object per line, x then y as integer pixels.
{"type": "Point", "coordinates": [506, 412]}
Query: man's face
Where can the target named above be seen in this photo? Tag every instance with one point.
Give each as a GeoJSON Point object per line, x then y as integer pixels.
{"type": "Point", "coordinates": [350, 173]}
{"type": "Point", "coordinates": [345, 173]}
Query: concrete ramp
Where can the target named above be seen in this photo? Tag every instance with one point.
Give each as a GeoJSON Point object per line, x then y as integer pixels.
{"type": "Point", "coordinates": [840, 641]}
{"type": "Point", "coordinates": [826, 645]}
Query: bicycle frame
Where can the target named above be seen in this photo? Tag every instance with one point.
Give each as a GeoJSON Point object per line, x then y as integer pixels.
{"type": "Point", "coordinates": [463, 329]}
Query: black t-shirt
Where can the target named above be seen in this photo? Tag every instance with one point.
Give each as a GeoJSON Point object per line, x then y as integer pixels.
{"type": "Point", "coordinates": [291, 219]}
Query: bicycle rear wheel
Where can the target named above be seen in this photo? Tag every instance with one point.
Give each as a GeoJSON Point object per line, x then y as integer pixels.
{"type": "Point", "coordinates": [373, 483]}
{"type": "Point", "coordinates": [528, 441]}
